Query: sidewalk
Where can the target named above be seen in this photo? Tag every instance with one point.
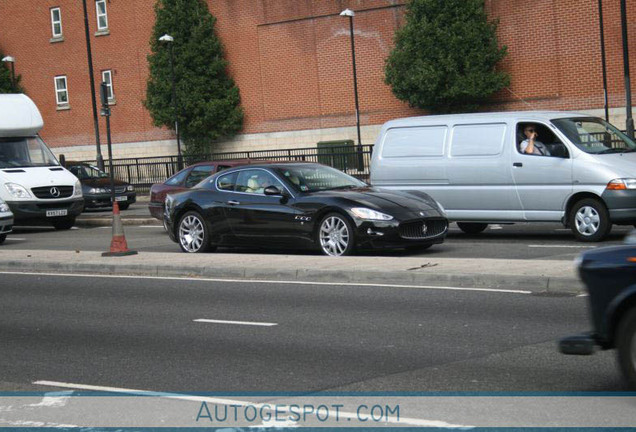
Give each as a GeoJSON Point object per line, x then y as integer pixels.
{"type": "Point", "coordinates": [537, 276]}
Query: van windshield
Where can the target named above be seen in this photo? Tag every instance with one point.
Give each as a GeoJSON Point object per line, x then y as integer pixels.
{"type": "Point", "coordinates": [595, 136]}
{"type": "Point", "coordinates": [25, 152]}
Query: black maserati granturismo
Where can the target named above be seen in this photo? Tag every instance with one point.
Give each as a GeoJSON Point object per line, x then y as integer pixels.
{"type": "Point", "coordinates": [300, 205]}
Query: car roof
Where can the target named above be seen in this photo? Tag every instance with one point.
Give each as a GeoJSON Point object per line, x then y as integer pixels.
{"type": "Point", "coordinates": [231, 162]}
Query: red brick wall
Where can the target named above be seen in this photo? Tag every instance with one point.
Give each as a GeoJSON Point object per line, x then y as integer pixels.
{"type": "Point", "coordinates": [292, 60]}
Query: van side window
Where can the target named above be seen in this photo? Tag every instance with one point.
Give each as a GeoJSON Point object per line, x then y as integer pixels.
{"type": "Point", "coordinates": [414, 142]}
{"type": "Point", "coordinates": [478, 140]}
{"type": "Point", "coordinates": [549, 143]}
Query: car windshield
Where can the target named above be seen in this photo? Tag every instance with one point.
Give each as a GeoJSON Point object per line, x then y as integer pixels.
{"type": "Point", "coordinates": [25, 152]}
{"type": "Point", "coordinates": [595, 136]}
{"type": "Point", "coordinates": [314, 178]}
{"type": "Point", "coordinates": [86, 172]}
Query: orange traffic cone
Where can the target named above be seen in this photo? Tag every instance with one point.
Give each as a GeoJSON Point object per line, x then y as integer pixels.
{"type": "Point", "coordinates": [118, 246]}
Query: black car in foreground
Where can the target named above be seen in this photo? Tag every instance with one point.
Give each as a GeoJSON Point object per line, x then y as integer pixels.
{"type": "Point", "coordinates": [300, 205]}
{"type": "Point", "coordinates": [609, 274]}
{"type": "Point", "coordinates": [96, 187]}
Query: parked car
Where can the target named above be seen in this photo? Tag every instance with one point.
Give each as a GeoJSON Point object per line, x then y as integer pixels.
{"type": "Point", "coordinates": [6, 221]}
{"type": "Point", "coordinates": [474, 164]}
{"type": "Point", "coordinates": [96, 187]}
{"type": "Point", "coordinates": [187, 178]}
{"type": "Point", "coordinates": [303, 205]}
{"type": "Point", "coordinates": [609, 275]}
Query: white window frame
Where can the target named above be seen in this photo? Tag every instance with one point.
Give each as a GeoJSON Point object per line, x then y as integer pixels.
{"type": "Point", "coordinates": [99, 15]}
{"type": "Point", "coordinates": [58, 91]}
{"type": "Point", "coordinates": [109, 83]}
{"type": "Point", "coordinates": [53, 22]}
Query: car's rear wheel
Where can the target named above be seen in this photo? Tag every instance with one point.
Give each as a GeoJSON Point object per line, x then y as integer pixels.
{"type": "Point", "coordinates": [418, 248]}
{"type": "Point", "coordinates": [626, 346]}
{"type": "Point", "coordinates": [64, 224]}
{"type": "Point", "coordinates": [589, 220]}
{"type": "Point", "coordinates": [3, 237]}
{"type": "Point", "coordinates": [335, 235]}
{"type": "Point", "coordinates": [193, 234]}
{"type": "Point", "coordinates": [471, 227]}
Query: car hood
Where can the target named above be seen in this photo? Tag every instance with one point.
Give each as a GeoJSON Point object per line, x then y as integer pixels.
{"type": "Point", "coordinates": [387, 201]}
{"type": "Point", "coordinates": [623, 163]}
{"type": "Point", "coordinates": [101, 182]}
{"type": "Point", "coordinates": [38, 176]}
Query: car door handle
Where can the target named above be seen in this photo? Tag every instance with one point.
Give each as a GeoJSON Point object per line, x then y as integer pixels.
{"type": "Point", "coordinates": [233, 203]}
{"type": "Point", "coordinates": [517, 164]}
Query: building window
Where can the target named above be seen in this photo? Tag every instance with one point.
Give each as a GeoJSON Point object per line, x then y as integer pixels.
{"type": "Point", "coordinates": [107, 77]}
{"type": "Point", "coordinates": [56, 22]}
{"type": "Point", "coordinates": [102, 15]}
{"type": "Point", "coordinates": [61, 91]}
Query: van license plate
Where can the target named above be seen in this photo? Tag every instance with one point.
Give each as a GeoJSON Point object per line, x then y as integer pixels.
{"type": "Point", "coordinates": [54, 213]}
{"type": "Point", "coordinates": [121, 198]}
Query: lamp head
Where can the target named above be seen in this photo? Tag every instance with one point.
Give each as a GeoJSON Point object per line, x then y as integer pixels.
{"type": "Point", "coordinates": [8, 59]}
{"type": "Point", "coordinates": [347, 13]}
{"type": "Point", "coordinates": [166, 38]}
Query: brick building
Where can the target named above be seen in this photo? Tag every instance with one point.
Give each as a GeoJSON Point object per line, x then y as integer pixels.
{"type": "Point", "coordinates": [292, 62]}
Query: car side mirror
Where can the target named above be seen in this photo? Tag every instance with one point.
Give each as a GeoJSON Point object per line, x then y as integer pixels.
{"type": "Point", "coordinates": [273, 191]}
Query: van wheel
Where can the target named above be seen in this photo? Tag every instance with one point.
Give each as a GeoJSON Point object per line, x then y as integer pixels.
{"type": "Point", "coordinates": [472, 228]}
{"type": "Point", "coordinates": [3, 237]}
{"type": "Point", "coordinates": [64, 224]}
{"type": "Point", "coordinates": [626, 347]}
{"type": "Point", "coordinates": [589, 220]}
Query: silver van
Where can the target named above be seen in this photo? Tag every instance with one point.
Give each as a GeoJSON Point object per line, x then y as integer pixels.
{"type": "Point", "coordinates": [479, 168]}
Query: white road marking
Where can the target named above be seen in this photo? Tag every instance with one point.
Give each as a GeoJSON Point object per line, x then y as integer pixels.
{"type": "Point", "coordinates": [562, 246]}
{"type": "Point", "coordinates": [223, 401]}
{"type": "Point", "coordinates": [496, 227]}
{"type": "Point", "coordinates": [246, 281]}
{"type": "Point", "coordinates": [211, 321]}
{"type": "Point", "coordinates": [15, 239]}
{"type": "Point", "coordinates": [150, 226]}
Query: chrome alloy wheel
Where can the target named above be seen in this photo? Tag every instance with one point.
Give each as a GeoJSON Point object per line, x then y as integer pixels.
{"type": "Point", "coordinates": [334, 236]}
{"type": "Point", "coordinates": [191, 233]}
{"type": "Point", "coordinates": [587, 220]}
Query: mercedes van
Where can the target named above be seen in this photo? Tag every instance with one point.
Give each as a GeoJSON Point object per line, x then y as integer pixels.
{"type": "Point", "coordinates": [6, 221]}
{"type": "Point", "coordinates": [475, 166]}
{"type": "Point", "coordinates": [34, 185]}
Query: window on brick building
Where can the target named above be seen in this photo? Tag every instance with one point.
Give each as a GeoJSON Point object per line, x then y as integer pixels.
{"type": "Point", "coordinates": [102, 15]}
{"type": "Point", "coordinates": [61, 91]}
{"type": "Point", "coordinates": [56, 22]}
{"type": "Point", "coordinates": [107, 77]}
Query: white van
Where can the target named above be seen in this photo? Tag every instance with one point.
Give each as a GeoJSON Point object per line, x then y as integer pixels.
{"type": "Point", "coordinates": [34, 185]}
{"type": "Point", "coordinates": [6, 221]}
{"type": "Point", "coordinates": [476, 167]}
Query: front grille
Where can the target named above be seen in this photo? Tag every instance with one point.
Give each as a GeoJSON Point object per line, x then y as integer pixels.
{"type": "Point", "coordinates": [415, 230]}
{"type": "Point", "coordinates": [118, 190]}
{"type": "Point", "coordinates": [49, 192]}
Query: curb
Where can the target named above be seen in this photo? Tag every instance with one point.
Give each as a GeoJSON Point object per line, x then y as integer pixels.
{"type": "Point", "coordinates": [535, 285]}
{"type": "Point", "coordinates": [108, 221]}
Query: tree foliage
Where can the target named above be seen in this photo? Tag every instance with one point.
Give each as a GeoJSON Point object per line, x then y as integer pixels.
{"type": "Point", "coordinates": [208, 100]}
{"type": "Point", "coordinates": [5, 78]}
{"type": "Point", "coordinates": [445, 56]}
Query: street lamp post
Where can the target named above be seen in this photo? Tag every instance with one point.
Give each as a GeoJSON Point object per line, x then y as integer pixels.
{"type": "Point", "coordinates": [9, 59]}
{"type": "Point", "coordinates": [170, 40]}
{"type": "Point", "coordinates": [350, 14]}
{"type": "Point", "coordinates": [628, 90]}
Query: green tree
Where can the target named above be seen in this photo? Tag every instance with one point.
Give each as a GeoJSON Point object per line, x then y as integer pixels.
{"type": "Point", "coordinates": [208, 99]}
{"type": "Point", "coordinates": [5, 78]}
{"type": "Point", "coordinates": [445, 56]}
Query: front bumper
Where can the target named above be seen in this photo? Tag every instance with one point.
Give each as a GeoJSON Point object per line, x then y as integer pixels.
{"type": "Point", "coordinates": [621, 205]}
{"type": "Point", "coordinates": [6, 223]}
{"type": "Point", "coordinates": [394, 234]}
{"type": "Point", "coordinates": [104, 200]}
{"type": "Point", "coordinates": [32, 211]}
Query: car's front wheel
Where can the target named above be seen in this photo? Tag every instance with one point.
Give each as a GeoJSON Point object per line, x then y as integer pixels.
{"type": "Point", "coordinates": [626, 346]}
{"type": "Point", "coordinates": [335, 235]}
{"type": "Point", "coordinates": [472, 227]}
{"type": "Point", "coordinates": [193, 234]}
{"type": "Point", "coordinates": [3, 237]}
{"type": "Point", "coordinates": [64, 224]}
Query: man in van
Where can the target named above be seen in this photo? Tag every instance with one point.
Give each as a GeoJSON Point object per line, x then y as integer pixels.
{"type": "Point", "coordinates": [531, 145]}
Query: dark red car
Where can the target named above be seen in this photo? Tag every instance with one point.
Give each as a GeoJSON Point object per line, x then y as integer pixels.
{"type": "Point", "coordinates": [187, 178]}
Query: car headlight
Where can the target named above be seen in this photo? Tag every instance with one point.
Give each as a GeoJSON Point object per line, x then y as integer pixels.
{"type": "Point", "coordinates": [78, 189]}
{"type": "Point", "coordinates": [17, 191]}
{"type": "Point", "coordinates": [622, 184]}
{"type": "Point", "coordinates": [130, 188]}
{"type": "Point", "coordinates": [97, 191]}
{"type": "Point", "coordinates": [366, 213]}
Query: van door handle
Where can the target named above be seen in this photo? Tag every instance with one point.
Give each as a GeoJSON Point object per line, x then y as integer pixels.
{"type": "Point", "coordinates": [233, 203]}
{"type": "Point", "coordinates": [517, 164]}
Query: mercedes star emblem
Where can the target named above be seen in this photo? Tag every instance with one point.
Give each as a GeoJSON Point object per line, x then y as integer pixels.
{"type": "Point", "coordinates": [55, 192]}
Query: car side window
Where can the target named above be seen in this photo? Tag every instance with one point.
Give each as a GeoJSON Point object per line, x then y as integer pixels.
{"type": "Point", "coordinates": [177, 179]}
{"type": "Point", "coordinates": [197, 174]}
{"type": "Point", "coordinates": [222, 167]}
{"type": "Point", "coordinates": [547, 143]}
{"type": "Point", "coordinates": [227, 182]}
{"type": "Point", "coordinates": [255, 181]}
